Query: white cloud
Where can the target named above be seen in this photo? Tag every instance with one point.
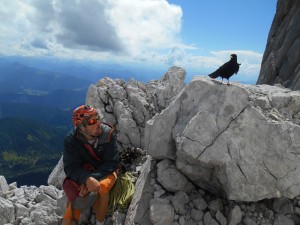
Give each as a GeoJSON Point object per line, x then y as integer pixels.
{"type": "Point", "coordinates": [14, 26]}
{"type": "Point", "coordinates": [115, 30]}
{"type": "Point", "coordinates": [251, 56]}
{"type": "Point", "coordinates": [77, 25]}
{"type": "Point", "coordinates": [121, 27]}
{"type": "Point", "coordinates": [250, 61]}
{"type": "Point", "coordinates": [148, 24]}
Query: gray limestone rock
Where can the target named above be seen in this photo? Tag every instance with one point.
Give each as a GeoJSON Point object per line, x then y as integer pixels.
{"type": "Point", "coordinates": [138, 211]}
{"type": "Point", "coordinates": [221, 218]}
{"type": "Point", "coordinates": [3, 186]}
{"type": "Point", "coordinates": [171, 178]}
{"type": "Point", "coordinates": [283, 220]}
{"type": "Point", "coordinates": [208, 220]}
{"type": "Point", "coordinates": [281, 58]}
{"type": "Point", "coordinates": [118, 218]}
{"type": "Point", "coordinates": [200, 203]}
{"type": "Point", "coordinates": [235, 216]}
{"type": "Point", "coordinates": [225, 143]}
{"type": "Point", "coordinates": [171, 84]}
{"type": "Point", "coordinates": [215, 205]}
{"type": "Point", "coordinates": [21, 210]}
{"type": "Point", "coordinates": [297, 210]}
{"type": "Point", "coordinates": [7, 211]}
{"type": "Point", "coordinates": [161, 212]}
{"type": "Point", "coordinates": [178, 201]}
{"type": "Point", "coordinates": [57, 175]}
{"type": "Point", "coordinates": [132, 104]}
{"type": "Point", "coordinates": [197, 215]}
{"type": "Point", "coordinates": [249, 221]}
{"type": "Point", "coordinates": [283, 205]}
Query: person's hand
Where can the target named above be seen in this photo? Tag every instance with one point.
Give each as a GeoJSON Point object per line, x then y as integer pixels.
{"type": "Point", "coordinates": [92, 184]}
{"type": "Point", "coordinates": [83, 190]}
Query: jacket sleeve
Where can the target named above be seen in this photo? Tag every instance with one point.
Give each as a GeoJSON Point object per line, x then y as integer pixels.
{"type": "Point", "coordinates": [111, 159]}
{"type": "Point", "coordinates": [72, 162]}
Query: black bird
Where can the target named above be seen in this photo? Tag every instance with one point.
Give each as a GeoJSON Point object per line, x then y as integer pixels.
{"type": "Point", "coordinates": [227, 70]}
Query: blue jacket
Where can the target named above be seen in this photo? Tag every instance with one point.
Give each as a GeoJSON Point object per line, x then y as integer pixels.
{"type": "Point", "coordinates": [76, 154]}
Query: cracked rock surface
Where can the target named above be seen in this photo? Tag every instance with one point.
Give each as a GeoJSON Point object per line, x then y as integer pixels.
{"type": "Point", "coordinates": [281, 59]}
{"type": "Point", "coordinates": [238, 141]}
{"type": "Point", "coordinates": [129, 105]}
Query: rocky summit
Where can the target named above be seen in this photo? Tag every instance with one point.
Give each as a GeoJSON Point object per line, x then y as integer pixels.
{"type": "Point", "coordinates": [202, 153]}
{"type": "Point", "coordinates": [238, 141]}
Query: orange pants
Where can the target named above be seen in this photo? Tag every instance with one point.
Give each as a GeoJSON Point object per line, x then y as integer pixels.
{"type": "Point", "coordinates": [106, 185]}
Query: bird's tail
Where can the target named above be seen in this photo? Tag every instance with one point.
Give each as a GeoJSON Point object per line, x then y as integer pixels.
{"type": "Point", "coordinates": [213, 75]}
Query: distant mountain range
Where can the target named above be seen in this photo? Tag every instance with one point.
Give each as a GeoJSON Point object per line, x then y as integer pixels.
{"type": "Point", "coordinates": [88, 70]}
{"type": "Point", "coordinates": [35, 114]}
{"type": "Point", "coordinates": [37, 96]}
{"type": "Point", "coordinates": [17, 78]}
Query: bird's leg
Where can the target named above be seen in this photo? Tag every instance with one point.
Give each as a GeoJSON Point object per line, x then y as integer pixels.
{"type": "Point", "coordinates": [228, 82]}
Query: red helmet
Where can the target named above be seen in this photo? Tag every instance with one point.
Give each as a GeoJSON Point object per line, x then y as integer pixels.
{"type": "Point", "coordinates": [82, 113]}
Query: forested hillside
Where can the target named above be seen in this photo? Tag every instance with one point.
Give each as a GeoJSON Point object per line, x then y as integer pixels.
{"type": "Point", "coordinates": [29, 148]}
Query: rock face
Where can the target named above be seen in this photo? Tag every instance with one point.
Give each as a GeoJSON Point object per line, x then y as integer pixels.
{"type": "Point", "coordinates": [281, 60]}
{"type": "Point", "coordinates": [138, 211]}
{"type": "Point", "coordinates": [129, 105]}
{"type": "Point", "coordinates": [166, 190]}
{"type": "Point", "coordinates": [57, 175]}
{"type": "Point", "coordinates": [30, 205]}
{"type": "Point", "coordinates": [239, 141]}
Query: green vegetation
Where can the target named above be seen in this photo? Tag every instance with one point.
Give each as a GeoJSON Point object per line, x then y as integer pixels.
{"type": "Point", "coordinates": [13, 157]}
{"type": "Point", "coordinates": [27, 146]}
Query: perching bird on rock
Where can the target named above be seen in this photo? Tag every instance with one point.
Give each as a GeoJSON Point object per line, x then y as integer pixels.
{"type": "Point", "coordinates": [227, 70]}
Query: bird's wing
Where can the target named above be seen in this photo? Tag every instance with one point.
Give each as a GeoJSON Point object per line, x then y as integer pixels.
{"type": "Point", "coordinates": [225, 66]}
{"type": "Point", "coordinates": [222, 69]}
{"type": "Point", "coordinates": [237, 68]}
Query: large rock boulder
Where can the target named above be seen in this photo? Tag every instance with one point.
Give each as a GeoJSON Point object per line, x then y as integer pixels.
{"type": "Point", "coordinates": [57, 176]}
{"type": "Point", "coordinates": [138, 211]}
{"type": "Point", "coordinates": [241, 141]}
{"type": "Point", "coordinates": [130, 105]}
{"type": "Point", "coordinates": [281, 60]}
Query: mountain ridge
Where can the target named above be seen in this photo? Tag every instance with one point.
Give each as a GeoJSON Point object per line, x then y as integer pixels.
{"type": "Point", "coordinates": [21, 77]}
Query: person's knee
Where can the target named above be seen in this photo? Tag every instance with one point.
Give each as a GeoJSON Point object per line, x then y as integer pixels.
{"type": "Point", "coordinates": [107, 184]}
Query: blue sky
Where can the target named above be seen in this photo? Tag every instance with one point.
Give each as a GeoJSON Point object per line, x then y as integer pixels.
{"type": "Point", "coordinates": [197, 35]}
{"type": "Point", "coordinates": [233, 24]}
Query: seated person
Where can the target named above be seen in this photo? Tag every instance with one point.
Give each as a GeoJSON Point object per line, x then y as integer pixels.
{"type": "Point", "coordinates": [91, 160]}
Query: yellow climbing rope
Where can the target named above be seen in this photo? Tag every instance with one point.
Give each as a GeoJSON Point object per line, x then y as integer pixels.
{"type": "Point", "coordinates": [122, 193]}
